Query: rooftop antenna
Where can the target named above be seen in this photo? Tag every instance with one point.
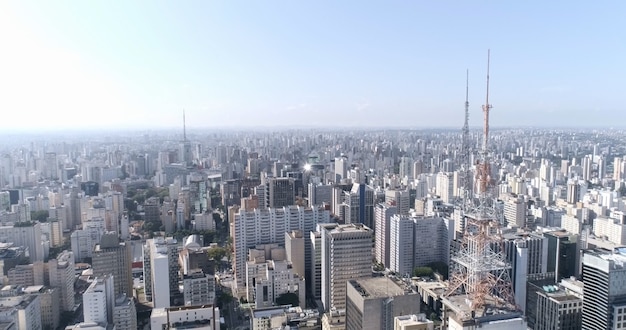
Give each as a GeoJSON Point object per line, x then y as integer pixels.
{"type": "Point", "coordinates": [184, 127]}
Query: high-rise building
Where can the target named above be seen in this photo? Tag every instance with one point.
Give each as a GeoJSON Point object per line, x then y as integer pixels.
{"type": "Point", "coordinates": [28, 235]}
{"type": "Point", "coordinates": [382, 218]}
{"type": "Point", "coordinates": [21, 312]}
{"type": "Point", "coordinates": [294, 249]}
{"type": "Point", "coordinates": [98, 300]}
{"type": "Point", "coordinates": [445, 186]}
{"type": "Point", "coordinates": [280, 192]}
{"type": "Point", "coordinates": [558, 309]}
{"type": "Point", "coordinates": [399, 199]}
{"type": "Point", "coordinates": [198, 288]}
{"type": "Point", "coordinates": [113, 257]}
{"type": "Point", "coordinates": [61, 276]}
{"type": "Point", "coordinates": [515, 211]}
{"type": "Point", "coordinates": [563, 256]}
{"type": "Point", "coordinates": [124, 313]}
{"type": "Point", "coordinates": [27, 275]}
{"type": "Point", "coordinates": [346, 255]}
{"type": "Point", "coordinates": [604, 292]}
{"type": "Point", "coordinates": [160, 262]}
{"type": "Point", "coordinates": [49, 303]}
{"type": "Point", "coordinates": [251, 228]}
{"type": "Point", "coordinates": [319, 193]}
{"type": "Point", "coordinates": [315, 277]}
{"type": "Point", "coordinates": [373, 303]}
{"type": "Point", "coordinates": [359, 205]}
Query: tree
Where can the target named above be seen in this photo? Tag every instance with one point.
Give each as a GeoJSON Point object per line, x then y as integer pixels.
{"type": "Point", "coordinates": [423, 272]}
{"type": "Point", "coordinates": [41, 216]}
{"type": "Point", "coordinates": [439, 267]}
{"type": "Point", "coordinates": [223, 299]}
{"type": "Point", "coordinates": [288, 298]}
{"type": "Point", "coordinates": [217, 253]}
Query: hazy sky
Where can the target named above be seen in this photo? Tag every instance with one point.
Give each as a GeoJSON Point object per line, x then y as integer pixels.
{"type": "Point", "coordinates": [122, 64]}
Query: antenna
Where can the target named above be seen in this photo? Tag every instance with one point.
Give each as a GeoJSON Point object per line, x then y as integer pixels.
{"type": "Point", "coordinates": [486, 108]}
{"type": "Point", "coordinates": [184, 127]}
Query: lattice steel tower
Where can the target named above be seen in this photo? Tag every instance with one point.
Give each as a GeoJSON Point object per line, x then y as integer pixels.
{"type": "Point", "coordinates": [480, 269]}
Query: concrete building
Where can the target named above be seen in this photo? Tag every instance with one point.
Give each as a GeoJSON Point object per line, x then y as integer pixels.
{"type": "Point", "coordinates": [113, 257]}
{"type": "Point", "coordinates": [315, 277]}
{"type": "Point", "coordinates": [400, 199]}
{"type": "Point", "coordinates": [413, 322]}
{"type": "Point", "coordinates": [611, 229]}
{"type": "Point", "coordinates": [334, 320]}
{"type": "Point", "coordinates": [49, 303]}
{"type": "Point", "coordinates": [251, 228]}
{"type": "Point", "coordinates": [98, 300]}
{"type": "Point", "coordinates": [294, 249]}
{"type": "Point", "coordinates": [165, 252]}
{"type": "Point", "coordinates": [346, 255]}
{"type": "Point", "coordinates": [198, 288]}
{"type": "Point", "coordinates": [382, 218]}
{"type": "Point", "coordinates": [604, 292]}
{"type": "Point", "coordinates": [402, 245]}
{"type": "Point", "coordinates": [373, 303]}
{"type": "Point", "coordinates": [124, 313]}
{"type": "Point", "coordinates": [445, 186]}
{"type": "Point", "coordinates": [24, 311]}
{"type": "Point", "coordinates": [27, 275]}
{"type": "Point", "coordinates": [26, 234]}
{"type": "Point", "coordinates": [515, 211]}
{"type": "Point", "coordinates": [280, 192]}
{"type": "Point", "coordinates": [61, 276]}
{"type": "Point", "coordinates": [203, 221]}
{"type": "Point", "coordinates": [269, 275]}
{"type": "Point", "coordinates": [205, 317]}
{"type": "Point", "coordinates": [558, 309]}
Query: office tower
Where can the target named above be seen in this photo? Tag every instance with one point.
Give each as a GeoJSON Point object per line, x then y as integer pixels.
{"type": "Point", "coordinates": [113, 257]}
{"type": "Point", "coordinates": [359, 205]}
{"type": "Point", "coordinates": [604, 294]}
{"type": "Point", "coordinates": [315, 278]}
{"type": "Point", "coordinates": [124, 313]}
{"type": "Point", "coordinates": [558, 309]}
{"type": "Point", "coordinates": [346, 255]}
{"type": "Point", "coordinates": [250, 228]}
{"type": "Point", "coordinates": [382, 217]}
{"type": "Point", "coordinates": [400, 199]}
{"type": "Point", "coordinates": [152, 212]}
{"type": "Point", "coordinates": [280, 192]}
{"type": "Point", "coordinates": [98, 300]}
{"type": "Point", "coordinates": [203, 317]}
{"type": "Point", "coordinates": [27, 235]}
{"type": "Point", "coordinates": [563, 256]}
{"type": "Point", "coordinates": [373, 303]}
{"type": "Point", "coordinates": [72, 206]}
{"type": "Point", "coordinates": [51, 166]}
{"type": "Point", "coordinates": [27, 275]}
{"type": "Point", "coordinates": [160, 258]}
{"type": "Point", "coordinates": [319, 194]}
{"type": "Point", "coordinates": [61, 276]}
{"type": "Point", "coordinates": [445, 186]}
{"type": "Point", "coordinates": [198, 288]}
{"type": "Point", "coordinates": [515, 211]}
{"type": "Point", "coordinates": [198, 192]}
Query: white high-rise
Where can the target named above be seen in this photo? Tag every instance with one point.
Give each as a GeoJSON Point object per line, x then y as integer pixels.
{"type": "Point", "coordinates": [61, 276]}
{"type": "Point", "coordinates": [98, 300]}
{"type": "Point", "coordinates": [401, 244]}
{"type": "Point", "coordinates": [346, 255]}
{"type": "Point", "coordinates": [382, 216]}
{"type": "Point", "coordinates": [251, 228]}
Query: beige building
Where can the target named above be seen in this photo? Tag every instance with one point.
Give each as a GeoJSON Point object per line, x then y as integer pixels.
{"type": "Point", "coordinates": [372, 303]}
{"type": "Point", "coordinates": [113, 257]}
{"type": "Point", "coordinates": [413, 322]}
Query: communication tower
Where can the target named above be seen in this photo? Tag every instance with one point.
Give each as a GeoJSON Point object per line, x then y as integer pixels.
{"type": "Point", "coordinates": [479, 269]}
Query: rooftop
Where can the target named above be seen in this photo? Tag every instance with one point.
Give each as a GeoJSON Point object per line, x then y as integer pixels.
{"type": "Point", "coordinates": [377, 287]}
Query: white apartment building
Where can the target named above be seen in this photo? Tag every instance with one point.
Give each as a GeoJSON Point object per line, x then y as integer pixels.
{"type": "Point", "coordinates": [268, 279]}
{"type": "Point", "coordinates": [203, 221]}
{"type": "Point", "coordinates": [160, 268]}
{"type": "Point", "coordinates": [251, 228]}
{"type": "Point", "coordinates": [25, 235]}
{"type": "Point", "coordinates": [401, 236]}
{"type": "Point", "coordinates": [98, 300]}
{"type": "Point", "coordinates": [24, 311]}
{"type": "Point", "coordinates": [611, 229]}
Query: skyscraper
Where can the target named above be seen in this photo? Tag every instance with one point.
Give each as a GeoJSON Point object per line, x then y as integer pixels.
{"type": "Point", "coordinates": [346, 255]}
{"type": "Point", "coordinates": [113, 257]}
{"type": "Point", "coordinates": [604, 292]}
{"type": "Point", "coordinates": [61, 276]}
{"type": "Point", "coordinates": [160, 260]}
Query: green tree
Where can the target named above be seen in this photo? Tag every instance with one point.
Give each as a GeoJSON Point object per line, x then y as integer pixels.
{"type": "Point", "coordinates": [288, 298]}
{"type": "Point", "coordinates": [423, 272]}
{"type": "Point", "coordinates": [41, 216]}
{"type": "Point", "coordinates": [439, 267]}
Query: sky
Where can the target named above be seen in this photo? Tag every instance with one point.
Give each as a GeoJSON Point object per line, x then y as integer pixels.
{"type": "Point", "coordinates": [137, 64]}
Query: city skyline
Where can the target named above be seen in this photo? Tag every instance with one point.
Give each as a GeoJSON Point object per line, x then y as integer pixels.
{"type": "Point", "coordinates": [238, 64]}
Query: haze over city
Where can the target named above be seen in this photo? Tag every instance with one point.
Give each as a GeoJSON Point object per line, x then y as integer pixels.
{"type": "Point", "coordinates": [136, 65]}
